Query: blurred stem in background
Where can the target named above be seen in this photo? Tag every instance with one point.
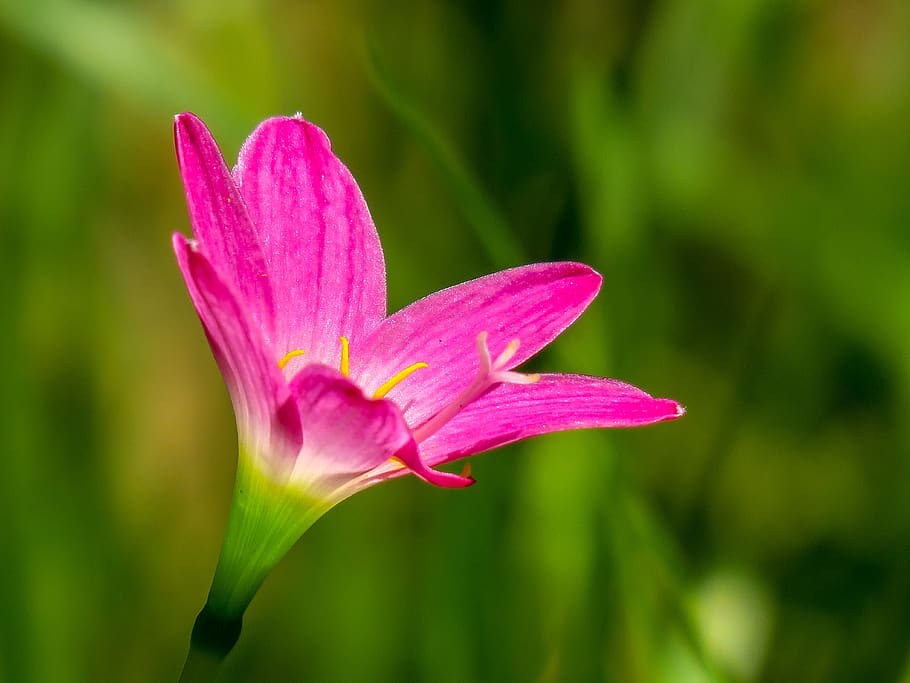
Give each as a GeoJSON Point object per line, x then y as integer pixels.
{"type": "Point", "coordinates": [489, 226]}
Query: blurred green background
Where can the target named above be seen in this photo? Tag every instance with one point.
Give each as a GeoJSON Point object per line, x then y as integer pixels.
{"type": "Point", "coordinates": [738, 172]}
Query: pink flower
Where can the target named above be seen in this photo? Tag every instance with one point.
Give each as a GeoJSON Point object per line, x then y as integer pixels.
{"type": "Point", "coordinates": [332, 395]}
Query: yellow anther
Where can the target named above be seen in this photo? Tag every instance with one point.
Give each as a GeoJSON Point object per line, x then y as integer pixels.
{"type": "Point", "coordinates": [286, 358]}
{"type": "Point", "coordinates": [507, 353]}
{"type": "Point", "coordinates": [398, 379]}
{"type": "Point", "coordinates": [345, 357]}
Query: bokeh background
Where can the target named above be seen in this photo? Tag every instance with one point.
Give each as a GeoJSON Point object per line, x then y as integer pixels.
{"type": "Point", "coordinates": [738, 171]}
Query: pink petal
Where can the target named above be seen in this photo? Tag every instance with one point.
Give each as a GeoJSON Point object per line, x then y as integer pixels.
{"type": "Point", "coordinates": [267, 419]}
{"type": "Point", "coordinates": [511, 412]}
{"type": "Point", "coordinates": [219, 219]}
{"type": "Point", "coordinates": [532, 303]}
{"type": "Point", "coordinates": [324, 258]}
{"type": "Point", "coordinates": [347, 434]}
{"type": "Point", "coordinates": [410, 456]}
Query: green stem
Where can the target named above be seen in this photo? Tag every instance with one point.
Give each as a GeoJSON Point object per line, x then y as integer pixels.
{"type": "Point", "coordinates": [266, 519]}
{"type": "Point", "coordinates": [212, 640]}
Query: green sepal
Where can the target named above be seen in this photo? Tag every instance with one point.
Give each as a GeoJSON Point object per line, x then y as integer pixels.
{"type": "Point", "coordinates": [266, 519]}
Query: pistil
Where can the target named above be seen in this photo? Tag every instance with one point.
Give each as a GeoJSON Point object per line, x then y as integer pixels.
{"type": "Point", "coordinates": [489, 374]}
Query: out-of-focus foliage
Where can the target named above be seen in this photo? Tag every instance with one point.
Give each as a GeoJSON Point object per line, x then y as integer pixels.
{"type": "Point", "coordinates": [737, 170]}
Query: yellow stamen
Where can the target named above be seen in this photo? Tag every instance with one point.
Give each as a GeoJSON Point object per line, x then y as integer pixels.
{"type": "Point", "coordinates": [286, 358]}
{"type": "Point", "coordinates": [507, 353]}
{"type": "Point", "coordinates": [398, 379]}
{"type": "Point", "coordinates": [345, 357]}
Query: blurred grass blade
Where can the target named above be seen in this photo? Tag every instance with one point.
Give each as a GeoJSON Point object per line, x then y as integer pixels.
{"type": "Point", "coordinates": [489, 226]}
{"type": "Point", "coordinates": [667, 565]}
{"type": "Point", "coordinates": [112, 47]}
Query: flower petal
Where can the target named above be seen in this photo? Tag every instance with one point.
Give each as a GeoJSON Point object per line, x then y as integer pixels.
{"type": "Point", "coordinates": [267, 419]}
{"type": "Point", "coordinates": [219, 219]}
{"type": "Point", "coordinates": [532, 303]}
{"type": "Point", "coordinates": [411, 457]}
{"type": "Point", "coordinates": [347, 434]}
{"type": "Point", "coordinates": [511, 412]}
{"type": "Point", "coordinates": [324, 258]}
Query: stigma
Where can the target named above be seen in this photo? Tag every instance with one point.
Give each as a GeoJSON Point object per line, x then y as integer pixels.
{"type": "Point", "coordinates": [489, 374]}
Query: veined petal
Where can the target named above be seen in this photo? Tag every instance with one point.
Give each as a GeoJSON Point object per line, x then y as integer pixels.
{"type": "Point", "coordinates": [347, 434]}
{"type": "Point", "coordinates": [219, 219]}
{"type": "Point", "coordinates": [267, 419]}
{"type": "Point", "coordinates": [324, 258]}
{"type": "Point", "coordinates": [532, 303]}
{"type": "Point", "coordinates": [511, 412]}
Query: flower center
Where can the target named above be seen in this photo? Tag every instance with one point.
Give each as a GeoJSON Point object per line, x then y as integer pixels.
{"type": "Point", "coordinates": [345, 367]}
{"type": "Point", "coordinates": [489, 373]}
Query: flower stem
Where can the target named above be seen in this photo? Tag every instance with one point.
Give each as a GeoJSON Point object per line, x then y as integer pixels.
{"type": "Point", "coordinates": [266, 519]}
{"type": "Point", "coordinates": [213, 638]}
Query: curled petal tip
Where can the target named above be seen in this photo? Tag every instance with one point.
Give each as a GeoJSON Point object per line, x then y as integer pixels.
{"type": "Point", "coordinates": [595, 279]}
{"type": "Point", "coordinates": [665, 409]}
{"type": "Point", "coordinates": [455, 481]}
{"type": "Point", "coordinates": [410, 457]}
{"type": "Point", "coordinates": [181, 241]}
{"type": "Point", "coordinates": [673, 409]}
{"type": "Point", "coordinates": [446, 480]}
{"type": "Point", "coordinates": [185, 122]}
